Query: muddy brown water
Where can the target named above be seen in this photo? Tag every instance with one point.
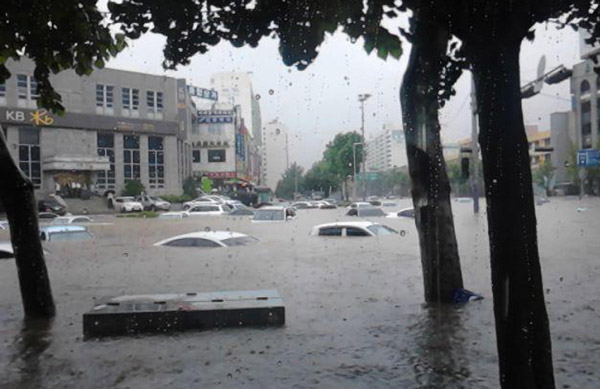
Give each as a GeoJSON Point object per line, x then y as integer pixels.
{"type": "Point", "coordinates": [354, 311]}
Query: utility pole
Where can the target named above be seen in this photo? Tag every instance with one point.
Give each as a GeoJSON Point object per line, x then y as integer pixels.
{"type": "Point", "coordinates": [362, 98]}
{"type": "Point", "coordinates": [354, 186]}
{"type": "Point", "coordinates": [474, 150]}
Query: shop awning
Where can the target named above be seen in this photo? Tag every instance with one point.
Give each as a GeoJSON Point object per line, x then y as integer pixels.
{"type": "Point", "coordinates": [76, 162]}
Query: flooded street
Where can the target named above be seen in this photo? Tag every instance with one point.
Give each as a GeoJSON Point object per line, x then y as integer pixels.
{"type": "Point", "coordinates": [354, 312]}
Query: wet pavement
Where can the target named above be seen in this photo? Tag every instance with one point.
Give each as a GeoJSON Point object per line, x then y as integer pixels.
{"type": "Point", "coordinates": [354, 312]}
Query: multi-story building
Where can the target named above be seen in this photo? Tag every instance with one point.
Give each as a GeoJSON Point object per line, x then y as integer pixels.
{"type": "Point", "coordinates": [386, 151]}
{"type": "Point", "coordinates": [539, 140]}
{"type": "Point", "coordinates": [275, 153]}
{"type": "Point", "coordinates": [222, 149]}
{"type": "Point", "coordinates": [117, 126]}
{"type": "Point", "coordinates": [235, 88]}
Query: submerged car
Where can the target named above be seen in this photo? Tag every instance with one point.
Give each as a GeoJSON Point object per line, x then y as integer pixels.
{"type": "Point", "coordinates": [406, 212]}
{"type": "Point", "coordinates": [361, 228]}
{"type": "Point", "coordinates": [173, 215]}
{"type": "Point", "coordinates": [64, 233]}
{"type": "Point", "coordinates": [305, 205]}
{"type": "Point", "coordinates": [153, 203]}
{"type": "Point", "coordinates": [52, 204]}
{"type": "Point", "coordinates": [366, 212]}
{"type": "Point", "coordinates": [274, 214]}
{"type": "Point", "coordinates": [359, 204]}
{"type": "Point", "coordinates": [208, 209]}
{"type": "Point", "coordinates": [64, 220]}
{"type": "Point", "coordinates": [208, 239]}
{"type": "Point", "coordinates": [6, 250]}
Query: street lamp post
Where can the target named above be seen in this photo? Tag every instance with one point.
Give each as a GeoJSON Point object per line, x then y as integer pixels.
{"type": "Point", "coordinates": [362, 98]}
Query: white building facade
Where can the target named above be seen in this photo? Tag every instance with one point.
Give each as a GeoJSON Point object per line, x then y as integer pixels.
{"type": "Point", "coordinates": [275, 153]}
{"type": "Point", "coordinates": [386, 151]}
{"type": "Point", "coordinates": [235, 88]}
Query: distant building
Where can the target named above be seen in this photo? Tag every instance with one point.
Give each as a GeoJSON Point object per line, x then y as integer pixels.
{"type": "Point", "coordinates": [118, 126]}
{"type": "Point", "coordinates": [275, 153]}
{"type": "Point", "coordinates": [535, 139]}
{"type": "Point", "coordinates": [235, 88]}
{"type": "Point", "coordinates": [222, 149]}
{"type": "Point", "coordinates": [386, 151]}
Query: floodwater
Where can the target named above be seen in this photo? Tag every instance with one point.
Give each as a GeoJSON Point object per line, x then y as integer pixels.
{"type": "Point", "coordinates": [354, 312]}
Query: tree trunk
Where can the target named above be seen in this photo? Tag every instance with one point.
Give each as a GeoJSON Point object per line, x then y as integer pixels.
{"type": "Point", "coordinates": [18, 198]}
{"type": "Point", "coordinates": [523, 336]}
{"type": "Point", "coordinates": [430, 186]}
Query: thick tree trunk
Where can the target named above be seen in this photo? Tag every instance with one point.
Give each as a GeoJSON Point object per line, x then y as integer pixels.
{"type": "Point", "coordinates": [430, 186]}
{"type": "Point", "coordinates": [17, 196]}
{"type": "Point", "coordinates": [522, 331]}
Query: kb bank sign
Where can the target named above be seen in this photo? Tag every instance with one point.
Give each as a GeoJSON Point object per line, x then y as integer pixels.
{"type": "Point", "coordinates": [39, 117]}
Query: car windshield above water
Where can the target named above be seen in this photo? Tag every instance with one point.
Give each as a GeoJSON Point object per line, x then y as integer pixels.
{"type": "Point", "coordinates": [269, 215]}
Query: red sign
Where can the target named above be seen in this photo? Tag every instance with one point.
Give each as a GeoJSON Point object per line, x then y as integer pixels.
{"type": "Point", "coordinates": [221, 174]}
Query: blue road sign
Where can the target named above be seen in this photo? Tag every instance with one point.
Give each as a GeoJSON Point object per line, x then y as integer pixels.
{"type": "Point", "coordinates": [588, 157]}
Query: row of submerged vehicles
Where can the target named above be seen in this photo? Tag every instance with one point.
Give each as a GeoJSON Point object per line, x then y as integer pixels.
{"type": "Point", "coordinates": [75, 227]}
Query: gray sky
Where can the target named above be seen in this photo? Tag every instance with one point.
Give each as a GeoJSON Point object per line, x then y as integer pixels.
{"type": "Point", "coordinates": [321, 101]}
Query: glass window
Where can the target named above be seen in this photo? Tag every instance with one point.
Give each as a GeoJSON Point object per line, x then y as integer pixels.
{"type": "Point", "coordinates": [156, 166]}
{"type": "Point", "coordinates": [105, 179]}
{"type": "Point", "coordinates": [379, 229]}
{"type": "Point", "coordinates": [126, 98]}
{"type": "Point", "coordinates": [2, 89]}
{"type": "Point", "coordinates": [353, 231]}
{"type": "Point", "coordinates": [159, 102]}
{"type": "Point", "coordinates": [99, 95]}
{"type": "Point", "coordinates": [241, 241]}
{"type": "Point", "coordinates": [29, 154]}
{"type": "Point", "coordinates": [135, 99]}
{"type": "Point", "coordinates": [104, 97]}
{"type": "Point", "coordinates": [330, 231]}
{"type": "Point", "coordinates": [33, 86]}
{"type": "Point", "coordinates": [216, 155]}
{"type": "Point", "coordinates": [585, 87]}
{"type": "Point", "coordinates": [150, 100]}
{"type": "Point", "coordinates": [196, 156]}
{"type": "Point", "coordinates": [131, 157]}
{"type": "Point", "coordinates": [22, 86]}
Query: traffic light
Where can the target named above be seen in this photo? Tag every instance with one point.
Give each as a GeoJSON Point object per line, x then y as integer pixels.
{"type": "Point", "coordinates": [558, 75]}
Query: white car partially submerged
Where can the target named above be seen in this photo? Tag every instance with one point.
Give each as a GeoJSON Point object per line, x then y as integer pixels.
{"type": "Point", "coordinates": [6, 250]}
{"type": "Point", "coordinates": [208, 239]}
{"type": "Point", "coordinates": [215, 199]}
{"type": "Point", "coordinates": [64, 220]}
{"type": "Point", "coordinates": [127, 204]}
{"type": "Point", "coordinates": [273, 214]}
{"type": "Point", "coordinates": [173, 215]}
{"type": "Point", "coordinates": [208, 209]}
{"type": "Point", "coordinates": [361, 228]}
{"type": "Point", "coordinates": [359, 204]}
{"type": "Point", "coordinates": [403, 213]}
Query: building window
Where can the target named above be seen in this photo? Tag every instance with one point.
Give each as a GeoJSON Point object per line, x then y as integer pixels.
{"type": "Point", "coordinates": [3, 93]}
{"type": "Point", "coordinates": [216, 155]}
{"type": "Point", "coordinates": [156, 162]}
{"type": "Point", "coordinates": [130, 101]}
{"type": "Point", "coordinates": [586, 125]}
{"type": "Point", "coordinates": [106, 148]}
{"type": "Point", "coordinates": [584, 87]}
{"type": "Point", "coordinates": [104, 99]}
{"type": "Point", "coordinates": [29, 154]}
{"type": "Point", "coordinates": [27, 90]}
{"type": "Point", "coordinates": [131, 157]}
{"type": "Point", "coordinates": [154, 102]}
{"type": "Point", "coordinates": [196, 156]}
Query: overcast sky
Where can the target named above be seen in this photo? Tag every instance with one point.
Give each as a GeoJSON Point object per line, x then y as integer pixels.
{"type": "Point", "coordinates": [321, 101]}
